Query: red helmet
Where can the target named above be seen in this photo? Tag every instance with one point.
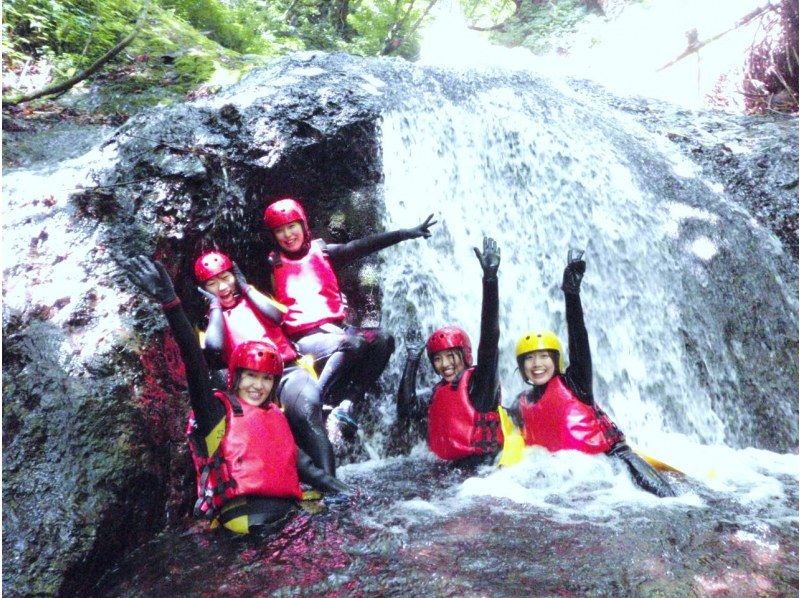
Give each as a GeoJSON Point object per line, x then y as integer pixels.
{"type": "Point", "coordinates": [210, 264]}
{"type": "Point", "coordinates": [450, 337]}
{"type": "Point", "coordinates": [261, 356]}
{"type": "Point", "coordinates": [283, 212]}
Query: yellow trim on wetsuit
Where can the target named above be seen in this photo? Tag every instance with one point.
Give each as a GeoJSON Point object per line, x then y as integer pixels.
{"type": "Point", "coordinates": [214, 438]}
{"type": "Point", "coordinates": [307, 363]}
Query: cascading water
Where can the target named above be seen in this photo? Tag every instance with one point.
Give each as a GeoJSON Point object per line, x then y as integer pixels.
{"type": "Point", "coordinates": [541, 172]}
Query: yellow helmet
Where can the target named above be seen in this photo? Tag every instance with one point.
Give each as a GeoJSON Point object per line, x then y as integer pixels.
{"type": "Point", "coordinates": [540, 340]}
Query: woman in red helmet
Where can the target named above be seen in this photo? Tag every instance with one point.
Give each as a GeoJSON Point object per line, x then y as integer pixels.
{"type": "Point", "coordinates": [248, 467]}
{"type": "Point", "coordinates": [238, 312]}
{"type": "Point", "coordinates": [463, 423]}
{"type": "Point", "coordinates": [559, 411]}
{"type": "Point", "coordinates": [304, 280]}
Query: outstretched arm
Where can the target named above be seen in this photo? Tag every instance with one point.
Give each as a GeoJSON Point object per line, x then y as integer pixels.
{"type": "Point", "coordinates": [579, 371]}
{"type": "Point", "coordinates": [153, 279]}
{"type": "Point", "coordinates": [483, 387]}
{"type": "Point", "coordinates": [313, 475]}
{"type": "Point", "coordinates": [343, 253]}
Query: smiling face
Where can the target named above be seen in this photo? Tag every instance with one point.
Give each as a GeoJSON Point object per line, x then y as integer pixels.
{"type": "Point", "coordinates": [254, 387]}
{"type": "Point", "coordinates": [448, 363]}
{"type": "Point", "coordinates": [223, 285]}
{"type": "Point", "coordinates": [290, 236]}
{"type": "Point", "coordinates": [539, 367]}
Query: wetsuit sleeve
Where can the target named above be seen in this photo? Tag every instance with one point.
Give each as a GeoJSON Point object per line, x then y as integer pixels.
{"type": "Point", "coordinates": [579, 372]}
{"type": "Point", "coordinates": [266, 305]}
{"type": "Point", "coordinates": [483, 385]}
{"type": "Point", "coordinates": [342, 254]}
{"type": "Point", "coordinates": [215, 331]}
{"type": "Point", "coordinates": [409, 406]}
{"type": "Point", "coordinates": [208, 410]}
{"type": "Point", "coordinates": [313, 475]}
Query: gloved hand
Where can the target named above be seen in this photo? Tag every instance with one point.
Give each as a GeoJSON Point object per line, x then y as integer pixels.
{"type": "Point", "coordinates": [573, 273]}
{"type": "Point", "coordinates": [422, 229]}
{"type": "Point", "coordinates": [415, 344]}
{"type": "Point", "coordinates": [151, 277]}
{"type": "Point", "coordinates": [213, 300]}
{"type": "Point", "coordinates": [490, 258]}
{"type": "Point", "coordinates": [240, 279]}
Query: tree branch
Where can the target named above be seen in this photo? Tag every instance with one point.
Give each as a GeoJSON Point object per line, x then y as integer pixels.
{"type": "Point", "coordinates": [57, 88]}
{"type": "Point", "coordinates": [695, 44]}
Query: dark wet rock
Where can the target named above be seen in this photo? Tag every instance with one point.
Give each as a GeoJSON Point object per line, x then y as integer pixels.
{"type": "Point", "coordinates": [753, 158]}
{"type": "Point", "coordinates": [93, 391]}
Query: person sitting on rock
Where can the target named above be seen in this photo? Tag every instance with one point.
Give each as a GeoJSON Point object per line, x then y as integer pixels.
{"type": "Point", "coordinates": [463, 421]}
{"type": "Point", "coordinates": [560, 412]}
{"type": "Point", "coordinates": [248, 466]}
{"type": "Point", "coordinates": [238, 312]}
{"type": "Point", "coordinates": [304, 280]}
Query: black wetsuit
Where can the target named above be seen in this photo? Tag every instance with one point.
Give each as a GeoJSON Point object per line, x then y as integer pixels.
{"type": "Point", "coordinates": [298, 392]}
{"type": "Point", "coordinates": [354, 357]}
{"type": "Point", "coordinates": [484, 388]}
{"type": "Point", "coordinates": [578, 377]}
{"type": "Point", "coordinates": [266, 512]}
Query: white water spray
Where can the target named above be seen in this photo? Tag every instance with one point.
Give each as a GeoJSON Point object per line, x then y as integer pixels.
{"type": "Point", "coordinates": [533, 175]}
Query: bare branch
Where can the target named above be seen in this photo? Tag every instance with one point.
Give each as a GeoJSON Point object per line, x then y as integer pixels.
{"type": "Point", "coordinates": [695, 44]}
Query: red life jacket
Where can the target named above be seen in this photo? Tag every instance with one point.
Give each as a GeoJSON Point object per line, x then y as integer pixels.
{"type": "Point", "coordinates": [559, 421]}
{"type": "Point", "coordinates": [256, 456]}
{"type": "Point", "coordinates": [243, 322]}
{"type": "Point", "coordinates": [455, 428]}
{"type": "Point", "coordinates": [309, 288]}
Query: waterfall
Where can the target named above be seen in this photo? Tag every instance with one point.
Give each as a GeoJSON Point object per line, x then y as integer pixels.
{"type": "Point", "coordinates": [521, 159]}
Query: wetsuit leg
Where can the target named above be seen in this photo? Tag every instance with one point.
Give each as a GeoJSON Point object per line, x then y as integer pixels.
{"type": "Point", "coordinates": [299, 395]}
{"type": "Point", "coordinates": [374, 358]}
{"type": "Point", "coordinates": [257, 514]}
{"type": "Point", "coordinates": [343, 352]}
{"type": "Point", "coordinates": [642, 472]}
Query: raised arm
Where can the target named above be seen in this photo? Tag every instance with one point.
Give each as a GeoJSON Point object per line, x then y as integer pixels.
{"type": "Point", "coordinates": [579, 371]}
{"type": "Point", "coordinates": [409, 407]}
{"type": "Point", "coordinates": [344, 253]}
{"type": "Point", "coordinates": [153, 279]}
{"type": "Point", "coordinates": [269, 308]}
{"type": "Point", "coordinates": [215, 331]}
{"type": "Point", "coordinates": [483, 388]}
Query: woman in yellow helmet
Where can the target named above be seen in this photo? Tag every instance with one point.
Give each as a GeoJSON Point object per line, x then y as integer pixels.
{"type": "Point", "coordinates": [559, 411]}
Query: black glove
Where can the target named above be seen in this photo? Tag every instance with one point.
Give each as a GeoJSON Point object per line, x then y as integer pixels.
{"type": "Point", "coordinates": [573, 273]}
{"type": "Point", "coordinates": [240, 279]}
{"type": "Point", "coordinates": [490, 258]}
{"type": "Point", "coordinates": [213, 300]}
{"type": "Point", "coordinates": [415, 344]}
{"type": "Point", "coordinates": [151, 277]}
{"type": "Point", "coordinates": [422, 229]}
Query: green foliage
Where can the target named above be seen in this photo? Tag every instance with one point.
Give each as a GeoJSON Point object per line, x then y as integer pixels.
{"type": "Point", "coordinates": [486, 13]}
{"type": "Point", "coordinates": [83, 29]}
{"type": "Point", "coordinates": [540, 26]}
{"type": "Point", "coordinates": [228, 24]}
{"type": "Point", "coordinates": [377, 22]}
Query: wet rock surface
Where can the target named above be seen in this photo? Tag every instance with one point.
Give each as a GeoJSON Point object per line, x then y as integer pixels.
{"type": "Point", "coordinates": [93, 393]}
{"type": "Point", "coordinates": [753, 159]}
